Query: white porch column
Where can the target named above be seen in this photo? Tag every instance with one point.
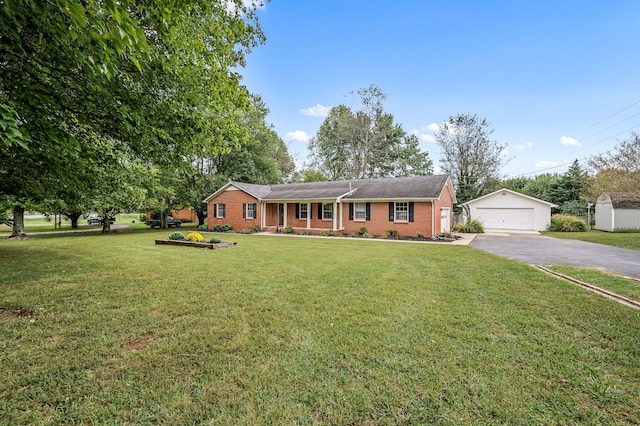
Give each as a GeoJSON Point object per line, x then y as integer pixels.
{"type": "Point", "coordinates": [285, 215]}
{"type": "Point", "coordinates": [341, 226]}
{"type": "Point", "coordinates": [335, 215]}
{"type": "Point", "coordinates": [308, 215]}
{"type": "Point", "coordinates": [263, 214]}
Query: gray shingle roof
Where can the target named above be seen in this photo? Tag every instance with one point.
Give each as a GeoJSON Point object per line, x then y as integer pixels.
{"type": "Point", "coordinates": [416, 187]}
{"type": "Point", "coordinates": [622, 200]}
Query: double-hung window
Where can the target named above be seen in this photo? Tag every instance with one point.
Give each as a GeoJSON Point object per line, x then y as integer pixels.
{"type": "Point", "coordinates": [402, 212]}
{"type": "Point", "coordinates": [303, 211]}
{"type": "Point", "coordinates": [220, 210]}
{"type": "Point", "coordinates": [360, 211]}
{"type": "Point", "coordinates": [250, 211]}
{"type": "Point", "coordinates": [327, 211]}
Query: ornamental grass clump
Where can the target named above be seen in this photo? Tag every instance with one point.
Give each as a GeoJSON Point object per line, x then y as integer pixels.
{"type": "Point", "coordinates": [177, 236]}
{"type": "Point", "coordinates": [215, 240]}
{"type": "Point", "coordinates": [566, 223]}
{"type": "Point", "coordinates": [471, 226]}
{"type": "Point", "coordinates": [194, 236]}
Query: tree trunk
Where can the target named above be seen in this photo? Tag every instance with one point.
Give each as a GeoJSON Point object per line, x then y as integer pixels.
{"type": "Point", "coordinates": [106, 225]}
{"type": "Point", "coordinates": [201, 217]}
{"type": "Point", "coordinates": [18, 222]}
{"type": "Point", "coordinates": [73, 216]}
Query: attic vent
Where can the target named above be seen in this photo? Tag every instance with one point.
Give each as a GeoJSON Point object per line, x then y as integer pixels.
{"type": "Point", "coordinates": [504, 193]}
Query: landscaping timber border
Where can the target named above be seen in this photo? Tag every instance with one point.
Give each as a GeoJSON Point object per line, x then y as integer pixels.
{"type": "Point", "coordinates": [200, 244]}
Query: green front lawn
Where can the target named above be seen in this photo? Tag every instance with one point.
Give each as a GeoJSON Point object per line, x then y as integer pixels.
{"type": "Point", "coordinates": [283, 330]}
{"type": "Point", "coordinates": [629, 240]}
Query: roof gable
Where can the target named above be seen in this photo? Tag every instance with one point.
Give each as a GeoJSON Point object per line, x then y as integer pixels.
{"type": "Point", "coordinates": [508, 191]}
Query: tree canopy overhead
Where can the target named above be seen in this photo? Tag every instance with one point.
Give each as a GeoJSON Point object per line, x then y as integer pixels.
{"type": "Point", "coordinates": [365, 142]}
{"type": "Point", "coordinates": [157, 80]}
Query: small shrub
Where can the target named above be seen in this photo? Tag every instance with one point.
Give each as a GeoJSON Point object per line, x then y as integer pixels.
{"type": "Point", "coordinates": [227, 228]}
{"type": "Point", "coordinates": [217, 228]}
{"type": "Point", "coordinates": [288, 229]}
{"type": "Point", "coordinates": [361, 230]}
{"type": "Point", "coordinates": [194, 236]}
{"type": "Point", "coordinates": [203, 227]}
{"type": "Point", "coordinates": [391, 232]}
{"type": "Point", "coordinates": [322, 233]}
{"type": "Point", "coordinates": [186, 221]}
{"type": "Point", "coordinates": [245, 231]}
{"type": "Point", "coordinates": [256, 228]}
{"type": "Point", "coordinates": [471, 226]}
{"type": "Point", "coordinates": [331, 233]}
{"type": "Point", "coordinates": [566, 223]}
{"type": "Point", "coordinates": [177, 236]}
{"type": "Point", "coordinates": [367, 235]}
{"type": "Point", "coordinates": [215, 240]}
{"type": "Point", "coordinates": [142, 217]}
{"type": "Point", "coordinates": [419, 234]}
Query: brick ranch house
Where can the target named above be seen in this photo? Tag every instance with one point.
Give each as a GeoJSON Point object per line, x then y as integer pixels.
{"type": "Point", "coordinates": [410, 205]}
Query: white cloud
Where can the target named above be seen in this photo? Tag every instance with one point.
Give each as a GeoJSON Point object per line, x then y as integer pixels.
{"type": "Point", "coordinates": [522, 147]}
{"type": "Point", "coordinates": [297, 136]}
{"type": "Point", "coordinates": [569, 141]}
{"type": "Point", "coordinates": [545, 163]}
{"type": "Point", "coordinates": [425, 134]}
{"type": "Point", "coordinates": [437, 170]}
{"type": "Point", "coordinates": [316, 111]}
{"type": "Point", "coordinates": [426, 137]}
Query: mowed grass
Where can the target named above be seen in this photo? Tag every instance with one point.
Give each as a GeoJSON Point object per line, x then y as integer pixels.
{"type": "Point", "coordinates": [285, 330]}
{"type": "Point", "coordinates": [629, 240]}
{"type": "Point", "coordinates": [39, 224]}
{"type": "Point", "coordinates": [616, 283]}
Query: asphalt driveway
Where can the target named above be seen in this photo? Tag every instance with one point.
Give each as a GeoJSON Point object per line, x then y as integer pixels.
{"type": "Point", "coordinates": [540, 250]}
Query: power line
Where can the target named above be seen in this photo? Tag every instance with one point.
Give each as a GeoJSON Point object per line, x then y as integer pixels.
{"type": "Point", "coordinates": [605, 119]}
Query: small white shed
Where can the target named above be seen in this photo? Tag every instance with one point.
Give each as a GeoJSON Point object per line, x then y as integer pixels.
{"type": "Point", "coordinates": [617, 211]}
{"type": "Point", "coordinates": [506, 210]}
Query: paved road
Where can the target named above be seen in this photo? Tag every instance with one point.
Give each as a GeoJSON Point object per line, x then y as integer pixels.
{"type": "Point", "coordinates": [539, 250]}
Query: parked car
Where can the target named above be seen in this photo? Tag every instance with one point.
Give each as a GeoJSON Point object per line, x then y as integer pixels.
{"type": "Point", "coordinates": [171, 223]}
{"type": "Point", "coordinates": [94, 218]}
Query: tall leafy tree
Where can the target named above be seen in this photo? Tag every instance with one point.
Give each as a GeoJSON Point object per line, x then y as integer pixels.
{"type": "Point", "coordinates": [617, 170]}
{"type": "Point", "coordinates": [469, 155]}
{"type": "Point", "coordinates": [365, 142]}
{"type": "Point", "coordinates": [157, 78]}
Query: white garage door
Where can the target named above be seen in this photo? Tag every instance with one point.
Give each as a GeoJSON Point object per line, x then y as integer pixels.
{"type": "Point", "coordinates": [521, 219]}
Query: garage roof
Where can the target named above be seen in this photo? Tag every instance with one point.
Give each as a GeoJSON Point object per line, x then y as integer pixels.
{"type": "Point", "coordinates": [510, 192]}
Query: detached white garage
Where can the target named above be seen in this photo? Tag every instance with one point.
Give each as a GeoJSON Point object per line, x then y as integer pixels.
{"type": "Point", "coordinates": [506, 210]}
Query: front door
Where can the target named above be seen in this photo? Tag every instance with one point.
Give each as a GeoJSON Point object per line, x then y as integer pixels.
{"type": "Point", "coordinates": [280, 214]}
{"type": "Point", "coordinates": [445, 223]}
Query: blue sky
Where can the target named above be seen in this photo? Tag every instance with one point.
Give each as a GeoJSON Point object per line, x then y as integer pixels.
{"type": "Point", "coordinates": [557, 80]}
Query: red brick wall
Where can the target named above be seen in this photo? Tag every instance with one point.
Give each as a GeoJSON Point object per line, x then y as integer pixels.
{"type": "Point", "coordinates": [444, 201]}
{"type": "Point", "coordinates": [233, 216]}
{"type": "Point", "coordinates": [380, 220]}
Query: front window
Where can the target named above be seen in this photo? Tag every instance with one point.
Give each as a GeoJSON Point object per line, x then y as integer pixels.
{"type": "Point", "coordinates": [221, 210]}
{"type": "Point", "coordinates": [327, 211]}
{"type": "Point", "coordinates": [303, 210]}
{"type": "Point", "coordinates": [251, 210]}
{"type": "Point", "coordinates": [402, 212]}
{"type": "Point", "coordinates": [360, 211]}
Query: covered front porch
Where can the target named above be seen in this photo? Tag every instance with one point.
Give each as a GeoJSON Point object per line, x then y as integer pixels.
{"type": "Point", "coordinates": [309, 215]}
